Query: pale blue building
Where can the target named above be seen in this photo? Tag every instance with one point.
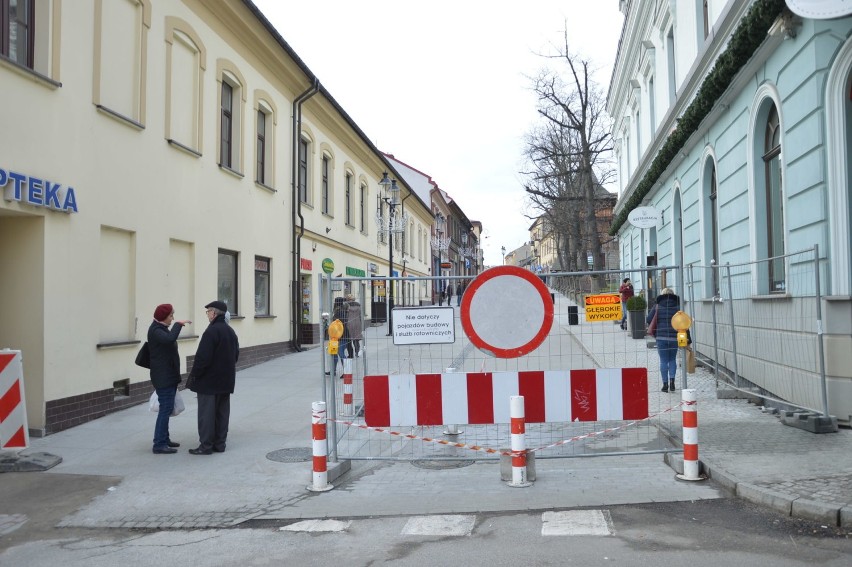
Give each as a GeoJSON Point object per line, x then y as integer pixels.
{"type": "Point", "coordinates": [733, 119]}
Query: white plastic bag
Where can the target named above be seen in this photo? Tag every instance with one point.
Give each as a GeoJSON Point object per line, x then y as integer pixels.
{"type": "Point", "coordinates": [154, 404]}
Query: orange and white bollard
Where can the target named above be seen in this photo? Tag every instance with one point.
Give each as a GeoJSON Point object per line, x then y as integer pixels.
{"type": "Point", "coordinates": [320, 448]}
{"type": "Point", "coordinates": [690, 435]}
{"type": "Point", "coordinates": [347, 387]}
{"type": "Point", "coordinates": [519, 442]}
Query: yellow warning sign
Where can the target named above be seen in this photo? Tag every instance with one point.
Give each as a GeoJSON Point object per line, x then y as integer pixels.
{"type": "Point", "coordinates": [604, 307]}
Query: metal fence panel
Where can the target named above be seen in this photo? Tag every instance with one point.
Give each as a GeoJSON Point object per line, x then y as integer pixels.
{"type": "Point", "coordinates": [573, 343]}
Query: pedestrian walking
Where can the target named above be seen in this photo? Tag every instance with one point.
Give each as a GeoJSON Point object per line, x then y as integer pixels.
{"type": "Point", "coordinates": [450, 293]}
{"type": "Point", "coordinates": [354, 326]}
{"type": "Point", "coordinates": [213, 377]}
{"type": "Point", "coordinates": [667, 305]}
{"type": "Point", "coordinates": [459, 292]}
{"type": "Point", "coordinates": [341, 312]}
{"type": "Point", "coordinates": [165, 372]}
{"type": "Point", "coordinates": [626, 291]}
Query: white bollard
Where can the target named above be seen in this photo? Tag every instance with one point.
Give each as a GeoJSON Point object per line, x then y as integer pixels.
{"type": "Point", "coordinates": [347, 387]}
{"type": "Point", "coordinates": [320, 449]}
{"type": "Point", "coordinates": [690, 435]}
{"type": "Point", "coordinates": [452, 429]}
{"type": "Point", "coordinates": [519, 443]}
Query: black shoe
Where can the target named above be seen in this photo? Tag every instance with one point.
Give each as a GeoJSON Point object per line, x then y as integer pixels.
{"type": "Point", "coordinates": [215, 450]}
{"type": "Point", "coordinates": [671, 386]}
{"type": "Point", "coordinates": [200, 451]}
{"type": "Point", "coordinates": [163, 451]}
{"type": "Point", "coordinates": [174, 444]}
{"type": "Point", "coordinates": [665, 389]}
{"type": "Point", "coordinates": [328, 373]}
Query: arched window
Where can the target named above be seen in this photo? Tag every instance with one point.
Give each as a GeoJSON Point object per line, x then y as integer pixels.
{"type": "Point", "coordinates": [774, 200]}
{"type": "Point", "coordinates": [711, 214]}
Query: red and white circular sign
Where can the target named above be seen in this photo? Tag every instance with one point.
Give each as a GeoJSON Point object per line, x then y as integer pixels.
{"type": "Point", "coordinates": [507, 312]}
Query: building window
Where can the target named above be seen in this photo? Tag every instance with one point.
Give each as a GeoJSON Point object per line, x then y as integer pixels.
{"type": "Point", "coordinates": [325, 184]}
{"type": "Point", "coordinates": [706, 12]}
{"type": "Point", "coordinates": [362, 208]}
{"type": "Point", "coordinates": [713, 213]}
{"type": "Point", "coordinates": [262, 271]}
{"type": "Point", "coordinates": [670, 53]}
{"type": "Point", "coordinates": [261, 147]}
{"type": "Point", "coordinates": [774, 202]}
{"type": "Point", "coordinates": [347, 200]}
{"type": "Point", "coordinates": [226, 126]}
{"type": "Point", "coordinates": [17, 31]}
{"type": "Point", "coordinates": [120, 59]}
{"type": "Point", "coordinates": [186, 62]}
{"type": "Point", "coordinates": [303, 171]}
{"type": "Point", "coordinates": [226, 283]}
{"type": "Point", "coordinates": [652, 109]}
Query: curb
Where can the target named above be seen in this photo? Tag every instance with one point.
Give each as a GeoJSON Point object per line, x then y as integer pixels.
{"type": "Point", "coordinates": [788, 504]}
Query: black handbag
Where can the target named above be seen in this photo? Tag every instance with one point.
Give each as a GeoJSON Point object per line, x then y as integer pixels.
{"type": "Point", "coordinates": [143, 359]}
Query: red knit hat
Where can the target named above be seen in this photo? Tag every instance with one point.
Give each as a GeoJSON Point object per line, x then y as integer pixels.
{"type": "Point", "coordinates": [163, 311]}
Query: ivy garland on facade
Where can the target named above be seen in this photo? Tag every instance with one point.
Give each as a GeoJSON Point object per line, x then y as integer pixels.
{"type": "Point", "coordinates": [749, 35]}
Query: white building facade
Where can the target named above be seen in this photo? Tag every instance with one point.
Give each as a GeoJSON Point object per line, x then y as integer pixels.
{"type": "Point", "coordinates": [733, 120]}
{"type": "Point", "coordinates": [164, 151]}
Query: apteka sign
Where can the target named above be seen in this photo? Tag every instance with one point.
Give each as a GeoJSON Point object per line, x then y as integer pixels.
{"type": "Point", "coordinates": [37, 192]}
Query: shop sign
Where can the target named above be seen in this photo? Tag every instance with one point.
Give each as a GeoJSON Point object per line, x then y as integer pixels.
{"type": "Point", "coordinates": [37, 192]}
{"type": "Point", "coordinates": [644, 217]}
{"type": "Point", "coordinates": [328, 265]}
{"type": "Point", "coordinates": [355, 272]}
{"type": "Point", "coordinates": [446, 265]}
{"type": "Point", "coordinates": [306, 265]}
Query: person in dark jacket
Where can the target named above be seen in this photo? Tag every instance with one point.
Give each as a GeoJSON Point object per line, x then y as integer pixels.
{"type": "Point", "coordinates": [354, 326]}
{"type": "Point", "coordinates": [165, 372]}
{"type": "Point", "coordinates": [214, 371]}
{"type": "Point", "coordinates": [667, 305]}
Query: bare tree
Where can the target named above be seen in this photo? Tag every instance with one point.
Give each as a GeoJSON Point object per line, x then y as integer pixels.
{"type": "Point", "coordinates": [569, 157]}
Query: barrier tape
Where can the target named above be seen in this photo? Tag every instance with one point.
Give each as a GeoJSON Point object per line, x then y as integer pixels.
{"type": "Point", "coordinates": [491, 451]}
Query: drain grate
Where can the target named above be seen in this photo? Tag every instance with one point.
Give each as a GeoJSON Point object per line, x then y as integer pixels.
{"type": "Point", "coordinates": [291, 455]}
{"type": "Point", "coordinates": [441, 465]}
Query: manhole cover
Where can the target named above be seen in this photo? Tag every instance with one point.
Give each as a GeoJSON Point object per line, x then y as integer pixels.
{"type": "Point", "coordinates": [292, 455]}
{"type": "Point", "coordinates": [440, 465]}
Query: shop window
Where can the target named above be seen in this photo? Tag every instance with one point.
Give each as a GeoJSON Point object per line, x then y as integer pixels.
{"type": "Point", "coordinates": [262, 275]}
{"type": "Point", "coordinates": [227, 282]}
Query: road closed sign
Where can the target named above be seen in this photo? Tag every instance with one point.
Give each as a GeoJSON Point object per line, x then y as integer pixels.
{"type": "Point", "coordinates": [604, 307]}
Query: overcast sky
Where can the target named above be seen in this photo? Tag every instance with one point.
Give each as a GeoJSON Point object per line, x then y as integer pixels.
{"type": "Point", "coordinates": [444, 85]}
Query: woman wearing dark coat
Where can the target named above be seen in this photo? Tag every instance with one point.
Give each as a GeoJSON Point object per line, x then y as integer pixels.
{"type": "Point", "coordinates": [165, 372]}
{"type": "Point", "coordinates": [667, 305]}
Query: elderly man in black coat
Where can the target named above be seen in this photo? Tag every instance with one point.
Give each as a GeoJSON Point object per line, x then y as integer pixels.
{"type": "Point", "coordinates": [212, 377]}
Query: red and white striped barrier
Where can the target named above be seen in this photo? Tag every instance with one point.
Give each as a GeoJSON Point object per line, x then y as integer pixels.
{"type": "Point", "coordinates": [14, 432]}
{"type": "Point", "coordinates": [347, 387]}
{"type": "Point", "coordinates": [690, 435]}
{"type": "Point", "coordinates": [519, 443]}
{"type": "Point", "coordinates": [320, 449]}
{"type": "Point", "coordinates": [480, 397]}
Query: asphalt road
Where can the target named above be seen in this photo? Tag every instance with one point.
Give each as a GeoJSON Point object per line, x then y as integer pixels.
{"type": "Point", "coordinates": [713, 532]}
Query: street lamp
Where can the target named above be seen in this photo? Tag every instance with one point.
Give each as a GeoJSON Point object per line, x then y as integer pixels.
{"type": "Point", "coordinates": [392, 224]}
{"type": "Point", "coordinates": [440, 243]}
{"type": "Point", "coordinates": [503, 251]}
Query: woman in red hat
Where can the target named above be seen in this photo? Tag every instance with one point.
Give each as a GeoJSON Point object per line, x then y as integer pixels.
{"type": "Point", "coordinates": [165, 372]}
